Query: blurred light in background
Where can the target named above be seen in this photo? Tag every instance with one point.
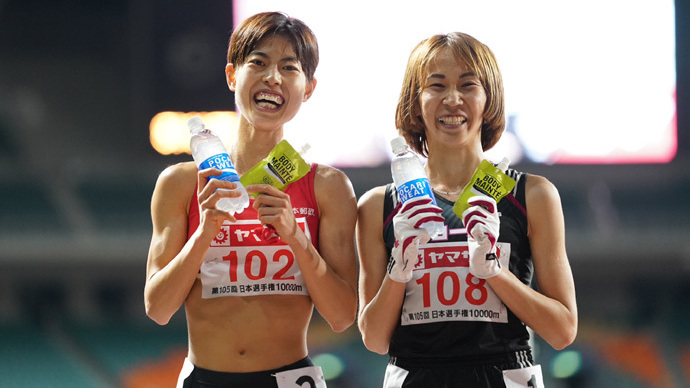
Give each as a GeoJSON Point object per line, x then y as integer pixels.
{"type": "Point", "coordinates": [566, 364]}
{"type": "Point", "coordinates": [586, 81]}
{"type": "Point", "coordinates": [169, 133]}
{"type": "Point", "coordinates": [331, 365]}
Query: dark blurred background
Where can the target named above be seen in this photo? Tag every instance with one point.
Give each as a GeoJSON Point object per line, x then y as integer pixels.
{"type": "Point", "coordinates": [79, 83]}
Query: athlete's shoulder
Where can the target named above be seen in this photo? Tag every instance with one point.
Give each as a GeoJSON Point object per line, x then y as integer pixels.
{"type": "Point", "coordinates": [541, 194]}
{"type": "Point", "coordinates": [331, 181]}
{"type": "Point", "coordinates": [178, 179]}
{"type": "Point", "coordinates": [326, 173]}
{"type": "Point", "coordinates": [374, 195]}
{"type": "Point", "coordinates": [539, 186]}
{"type": "Point", "coordinates": [179, 172]}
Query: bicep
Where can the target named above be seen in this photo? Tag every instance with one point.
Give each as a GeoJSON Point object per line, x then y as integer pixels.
{"type": "Point", "coordinates": [338, 214]}
{"type": "Point", "coordinates": [547, 240]}
{"type": "Point", "coordinates": [169, 221]}
{"type": "Point", "coordinates": [371, 248]}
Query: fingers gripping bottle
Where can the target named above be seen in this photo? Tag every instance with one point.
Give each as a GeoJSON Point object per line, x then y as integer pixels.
{"type": "Point", "coordinates": [209, 151]}
{"type": "Point", "coordinates": [411, 181]}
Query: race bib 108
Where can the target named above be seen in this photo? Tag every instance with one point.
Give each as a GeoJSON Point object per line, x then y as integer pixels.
{"type": "Point", "coordinates": [443, 289]}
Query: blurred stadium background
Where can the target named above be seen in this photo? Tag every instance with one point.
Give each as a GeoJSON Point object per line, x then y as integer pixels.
{"type": "Point", "coordinates": [79, 83]}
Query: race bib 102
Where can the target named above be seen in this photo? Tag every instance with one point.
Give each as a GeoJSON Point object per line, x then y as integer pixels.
{"type": "Point", "coordinates": [240, 263]}
{"type": "Point", "coordinates": [443, 289]}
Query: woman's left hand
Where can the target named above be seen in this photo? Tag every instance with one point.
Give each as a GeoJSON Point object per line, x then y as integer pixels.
{"type": "Point", "coordinates": [275, 209]}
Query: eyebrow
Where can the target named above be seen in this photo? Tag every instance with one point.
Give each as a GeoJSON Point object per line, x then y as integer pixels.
{"type": "Point", "coordinates": [264, 55]}
{"type": "Point", "coordinates": [442, 76]}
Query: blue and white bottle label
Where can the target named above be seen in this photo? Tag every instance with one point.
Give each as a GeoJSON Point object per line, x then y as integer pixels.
{"type": "Point", "coordinates": [415, 188]}
{"type": "Point", "coordinates": [221, 162]}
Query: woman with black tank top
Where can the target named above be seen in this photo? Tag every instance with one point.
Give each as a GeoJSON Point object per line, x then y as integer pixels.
{"type": "Point", "coordinates": [458, 315]}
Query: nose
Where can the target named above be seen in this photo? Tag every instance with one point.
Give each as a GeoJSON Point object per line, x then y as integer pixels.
{"type": "Point", "coordinates": [272, 76]}
{"type": "Point", "coordinates": [453, 98]}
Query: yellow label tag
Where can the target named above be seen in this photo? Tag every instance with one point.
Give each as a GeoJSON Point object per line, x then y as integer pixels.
{"type": "Point", "coordinates": [282, 166]}
{"type": "Point", "coordinates": [487, 180]}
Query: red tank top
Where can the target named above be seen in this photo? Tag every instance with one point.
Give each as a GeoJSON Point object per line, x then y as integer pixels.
{"type": "Point", "coordinates": [303, 201]}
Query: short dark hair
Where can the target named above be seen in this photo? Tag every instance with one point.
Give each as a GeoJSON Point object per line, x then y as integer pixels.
{"type": "Point", "coordinates": [257, 27]}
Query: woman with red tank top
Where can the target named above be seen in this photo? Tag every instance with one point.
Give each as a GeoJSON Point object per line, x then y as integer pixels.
{"type": "Point", "coordinates": [248, 296]}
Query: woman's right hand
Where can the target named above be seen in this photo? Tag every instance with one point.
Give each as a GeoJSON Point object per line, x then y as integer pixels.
{"type": "Point", "coordinates": [409, 234]}
{"type": "Point", "coordinates": [209, 192]}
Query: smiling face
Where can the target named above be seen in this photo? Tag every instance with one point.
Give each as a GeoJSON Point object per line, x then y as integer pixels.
{"type": "Point", "coordinates": [450, 63]}
{"type": "Point", "coordinates": [452, 101]}
{"type": "Point", "coordinates": [270, 86]}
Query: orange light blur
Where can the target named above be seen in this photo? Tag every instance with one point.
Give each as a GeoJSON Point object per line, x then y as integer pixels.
{"type": "Point", "coordinates": [169, 134]}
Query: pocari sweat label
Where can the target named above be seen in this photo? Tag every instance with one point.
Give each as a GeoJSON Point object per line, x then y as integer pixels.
{"type": "Point", "coordinates": [221, 162]}
{"type": "Point", "coordinates": [415, 188]}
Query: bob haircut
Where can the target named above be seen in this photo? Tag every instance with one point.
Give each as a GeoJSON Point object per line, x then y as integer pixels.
{"type": "Point", "coordinates": [479, 59]}
{"type": "Point", "coordinates": [254, 29]}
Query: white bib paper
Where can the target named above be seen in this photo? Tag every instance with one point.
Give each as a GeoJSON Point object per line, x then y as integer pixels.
{"type": "Point", "coordinates": [529, 377]}
{"type": "Point", "coordinates": [443, 289]}
{"type": "Point", "coordinates": [307, 377]}
{"type": "Point", "coordinates": [240, 263]}
{"type": "Point", "coordinates": [395, 376]}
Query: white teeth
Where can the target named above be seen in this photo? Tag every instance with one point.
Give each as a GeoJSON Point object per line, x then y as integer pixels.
{"type": "Point", "coordinates": [267, 105]}
{"type": "Point", "coordinates": [452, 120]}
{"type": "Point", "coordinates": [269, 97]}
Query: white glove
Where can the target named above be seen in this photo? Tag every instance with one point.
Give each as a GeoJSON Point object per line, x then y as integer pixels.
{"type": "Point", "coordinates": [482, 224]}
{"type": "Point", "coordinates": [409, 234]}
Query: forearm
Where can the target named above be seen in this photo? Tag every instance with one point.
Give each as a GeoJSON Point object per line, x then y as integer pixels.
{"type": "Point", "coordinates": [379, 317]}
{"type": "Point", "coordinates": [167, 289]}
{"type": "Point", "coordinates": [333, 296]}
{"type": "Point", "coordinates": [163, 300]}
{"type": "Point", "coordinates": [548, 317]}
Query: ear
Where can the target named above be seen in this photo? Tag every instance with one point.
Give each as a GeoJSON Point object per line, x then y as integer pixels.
{"type": "Point", "coordinates": [309, 89]}
{"type": "Point", "coordinates": [230, 76]}
{"type": "Point", "coordinates": [417, 111]}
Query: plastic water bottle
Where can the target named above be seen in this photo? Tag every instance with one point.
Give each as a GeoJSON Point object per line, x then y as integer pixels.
{"type": "Point", "coordinates": [209, 151]}
{"type": "Point", "coordinates": [410, 178]}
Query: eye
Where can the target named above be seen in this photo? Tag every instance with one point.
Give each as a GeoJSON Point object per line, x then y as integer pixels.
{"type": "Point", "coordinates": [436, 85]}
{"type": "Point", "coordinates": [257, 62]}
{"type": "Point", "coordinates": [471, 83]}
{"type": "Point", "coordinates": [292, 66]}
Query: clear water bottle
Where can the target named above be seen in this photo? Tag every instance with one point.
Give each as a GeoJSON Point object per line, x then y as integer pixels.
{"type": "Point", "coordinates": [411, 181]}
{"type": "Point", "coordinates": [209, 151]}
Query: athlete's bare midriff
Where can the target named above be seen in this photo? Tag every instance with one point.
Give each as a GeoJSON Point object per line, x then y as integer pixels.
{"type": "Point", "coordinates": [247, 334]}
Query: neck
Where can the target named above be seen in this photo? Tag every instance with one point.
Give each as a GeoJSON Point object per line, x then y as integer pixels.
{"type": "Point", "coordinates": [449, 171]}
{"type": "Point", "coordinates": [253, 145]}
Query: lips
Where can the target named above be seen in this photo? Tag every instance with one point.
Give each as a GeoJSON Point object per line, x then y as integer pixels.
{"type": "Point", "coordinates": [269, 100]}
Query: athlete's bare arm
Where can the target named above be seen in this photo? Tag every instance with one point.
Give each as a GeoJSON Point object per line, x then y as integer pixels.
{"type": "Point", "coordinates": [380, 298]}
{"type": "Point", "coordinates": [335, 275]}
{"type": "Point", "coordinates": [173, 262]}
{"type": "Point", "coordinates": [551, 312]}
